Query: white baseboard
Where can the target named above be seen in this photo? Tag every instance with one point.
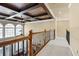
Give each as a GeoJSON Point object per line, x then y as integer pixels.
{"type": "Point", "coordinates": [72, 51]}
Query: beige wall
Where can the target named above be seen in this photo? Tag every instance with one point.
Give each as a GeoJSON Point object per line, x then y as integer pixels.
{"type": "Point", "coordinates": [62, 26]}
{"type": "Point", "coordinates": [61, 13]}
{"type": "Point", "coordinates": [74, 28]}
{"type": "Point", "coordinates": [39, 26]}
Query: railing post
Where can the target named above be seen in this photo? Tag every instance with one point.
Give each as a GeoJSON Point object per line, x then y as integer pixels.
{"type": "Point", "coordinates": [49, 34]}
{"type": "Point", "coordinates": [12, 49]}
{"type": "Point", "coordinates": [18, 48]}
{"type": "Point", "coordinates": [54, 34]}
{"type": "Point", "coordinates": [45, 36]}
{"type": "Point", "coordinates": [27, 47]}
{"type": "Point", "coordinates": [3, 50]}
{"type": "Point", "coordinates": [23, 48]}
{"type": "Point", "coordinates": [30, 43]}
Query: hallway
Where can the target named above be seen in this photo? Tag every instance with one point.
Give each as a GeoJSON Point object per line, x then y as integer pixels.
{"type": "Point", "coordinates": [27, 27]}
{"type": "Point", "coordinates": [57, 47]}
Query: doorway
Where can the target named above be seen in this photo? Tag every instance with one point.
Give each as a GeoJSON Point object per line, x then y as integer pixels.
{"type": "Point", "coordinates": [68, 36]}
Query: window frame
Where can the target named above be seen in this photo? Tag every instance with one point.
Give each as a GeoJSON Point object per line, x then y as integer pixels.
{"type": "Point", "coordinates": [19, 26]}
{"type": "Point", "coordinates": [8, 27]}
{"type": "Point", "coordinates": [1, 27]}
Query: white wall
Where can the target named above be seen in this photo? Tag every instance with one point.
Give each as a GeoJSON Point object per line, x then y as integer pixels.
{"type": "Point", "coordinates": [39, 26]}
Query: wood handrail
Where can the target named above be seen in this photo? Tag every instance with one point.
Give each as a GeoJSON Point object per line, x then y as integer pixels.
{"type": "Point", "coordinates": [40, 32]}
{"type": "Point", "coordinates": [12, 41]}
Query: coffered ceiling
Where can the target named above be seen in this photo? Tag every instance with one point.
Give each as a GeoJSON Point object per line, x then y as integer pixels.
{"type": "Point", "coordinates": [24, 12]}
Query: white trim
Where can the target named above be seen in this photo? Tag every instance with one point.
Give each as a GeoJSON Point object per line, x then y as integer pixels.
{"type": "Point", "coordinates": [4, 20]}
{"type": "Point", "coordinates": [41, 21]}
{"type": "Point", "coordinates": [72, 51]}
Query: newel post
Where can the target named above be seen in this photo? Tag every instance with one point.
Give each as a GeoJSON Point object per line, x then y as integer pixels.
{"type": "Point", "coordinates": [30, 42]}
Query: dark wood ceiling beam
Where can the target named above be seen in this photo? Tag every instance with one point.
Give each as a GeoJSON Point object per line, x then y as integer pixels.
{"type": "Point", "coordinates": [11, 19]}
{"type": "Point", "coordinates": [41, 15]}
{"type": "Point", "coordinates": [27, 20]}
{"type": "Point", "coordinates": [10, 6]}
{"type": "Point", "coordinates": [18, 18]}
{"type": "Point", "coordinates": [34, 7]}
{"type": "Point", "coordinates": [36, 15]}
{"type": "Point", "coordinates": [30, 8]}
{"type": "Point", "coordinates": [47, 12]}
{"type": "Point", "coordinates": [30, 15]}
{"type": "Point", "coordinates": [45, 18]}
{"type": "Point", "coordinates": [4, 14]}
{"type": "Point", "coordinates": [30, 5]}
{"type": "Point", "coordinates": [2, 17]}
{"type": "Point", "coordinates": [27, 14]}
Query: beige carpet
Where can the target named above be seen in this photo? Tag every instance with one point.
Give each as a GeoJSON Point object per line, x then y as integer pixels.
{"type": "Point", "coordinates": [57, 47]}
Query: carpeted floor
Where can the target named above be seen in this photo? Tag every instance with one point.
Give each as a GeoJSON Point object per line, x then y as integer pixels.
{"type": "Point", "coordinates": [57, 47]}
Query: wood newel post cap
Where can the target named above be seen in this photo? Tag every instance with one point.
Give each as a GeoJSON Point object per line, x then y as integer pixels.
{"type": "Point", "coordinates": [45, 30]}
{"type": "Point", "coordinates": [30, 35]}
{"type": "Point", "coordinates": [30, 31]}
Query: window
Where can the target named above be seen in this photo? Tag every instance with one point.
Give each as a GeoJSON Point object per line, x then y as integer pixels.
{"type": "Point", "coordinates": [1, 36]}
{"type": "Point", "coordinates": [1, 31]}
{"type": "Point", "coordinates": [9, 30]}
{"type": "Point", "coordinates": [19, 29]}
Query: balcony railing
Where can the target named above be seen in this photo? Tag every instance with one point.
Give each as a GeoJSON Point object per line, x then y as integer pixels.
{"type": "Point", "coordinates": [25, 45]}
